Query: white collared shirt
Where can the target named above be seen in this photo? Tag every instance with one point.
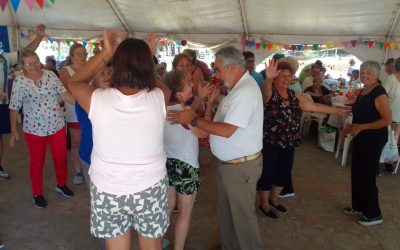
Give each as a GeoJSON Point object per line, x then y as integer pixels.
{"type": "Point", "coordinates": [242, 107]}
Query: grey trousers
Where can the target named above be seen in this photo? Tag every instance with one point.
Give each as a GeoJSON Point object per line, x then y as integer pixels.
{"type": "Point", "coordinates": [236, 189]}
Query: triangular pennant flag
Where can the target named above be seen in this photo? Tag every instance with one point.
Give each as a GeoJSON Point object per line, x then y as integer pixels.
{"type": "Point", "coordinates": [393, 45]}
{"type": "Point", "coordinates": [315, 46]}
{"type": "Point", "coordinates": [15, 4]}
{"type": "Point", "coordinates": [51, 40]}
{"type": "Point", "coordinates": [330, 45]}
{"type": "Point", "coordinates": [68, 42]}
{"type": "Point", "coordinates": [269, 46]}
{"type": "Point", "coordinates": [346, 44]}
{"type": "Point", "coordinates": [251, 43]}
{"type": "Point", "coordinates": [386, 45]}
{"type": "Point", "coordinates": [52, 1]}
{"type": "Point", "coordinates": [243, 42]}
{"type": "Point", "coordinates": [353, 42]}
{"type": "Point", "coordinates": [264, 45]}
{"type": "Point", "coordinates": [371, 43]}
{"type": "Point", "coordinates": [246, 42]}
{"type": "Point", "coordinates": [84, 43]}
{"type": "Point", "coordinates": [22, 34]}
{"type": "Point", "coordinates": [380, 45]}
{"type": "Point", "coordinates": [286, 47]}
{"type": "Point", "coordinates": [364, 42]}
{"type": "Point", "coordinates": [40, 3]}
{"type": "Point", "coordinates": [28, 37]}
{"type": "Point", "coordinates": [258, 45]}
{"type": "Point", "coordinates": [299, 47]}
{"type": "Point", "coordinates": [30, 4]}
{"type": "Point", "coordinates": [293, 47]}
{"type": "Point", "coordinates": [3, 4]}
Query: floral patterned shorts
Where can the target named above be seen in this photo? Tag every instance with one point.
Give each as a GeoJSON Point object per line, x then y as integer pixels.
{"type": "Point", "coordinates": [183, 176]}
{"type": "Point", "coordinates": [146, 211]}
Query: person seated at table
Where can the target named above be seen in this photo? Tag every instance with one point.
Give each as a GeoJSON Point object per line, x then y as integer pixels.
{"type": "Point", "coordinates": [355, 80]}
{"type": "Point", "coordinates": [318, 92]}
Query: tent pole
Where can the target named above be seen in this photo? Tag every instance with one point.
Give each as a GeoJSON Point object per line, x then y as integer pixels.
{"type": "Point", "coordinates": [244, 20]}
{"type": "Point", "coordinates": [389, 35]}
{"type": "Point", "coordinates": [15, 43]}
{"type": "Point", "coordinates": [119, 15]}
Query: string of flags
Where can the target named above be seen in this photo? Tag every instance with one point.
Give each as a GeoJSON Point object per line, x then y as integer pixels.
{"type": "Point", "coordinates": [29, 3]}
{"type": "Point", "coordinates": [258, 44]}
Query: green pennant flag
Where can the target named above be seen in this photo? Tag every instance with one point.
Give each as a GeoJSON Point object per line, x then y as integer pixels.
{"type": "Point", "coordinates": [264, 45]}
{"type": "Point", "coordinates": [68, 42]}
{"type": "Point", "coordinates": [52, 1]}
{"type": "Point", "coordinates": [380, 45]}
{"type": "Point", "coordinates": [315, 46]}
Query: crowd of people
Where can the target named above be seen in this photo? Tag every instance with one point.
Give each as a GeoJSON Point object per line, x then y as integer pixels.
{"type": "Point", "coordinates": [139, 156]}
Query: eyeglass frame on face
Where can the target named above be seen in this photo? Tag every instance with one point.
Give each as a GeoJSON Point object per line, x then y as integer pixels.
{"type": "Point", "coordinates": [31, 65]}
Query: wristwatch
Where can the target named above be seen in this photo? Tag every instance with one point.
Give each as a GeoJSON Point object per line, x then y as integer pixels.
{"type": "Point", "coordinates": [194, 121]}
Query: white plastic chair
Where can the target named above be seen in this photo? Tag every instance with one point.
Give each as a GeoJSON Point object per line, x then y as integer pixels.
{"type": "Point", "coordinates": [308, 117]}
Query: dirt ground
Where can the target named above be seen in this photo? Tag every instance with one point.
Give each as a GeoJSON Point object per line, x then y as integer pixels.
{"type": "Point", "coordinates": [314, 221]}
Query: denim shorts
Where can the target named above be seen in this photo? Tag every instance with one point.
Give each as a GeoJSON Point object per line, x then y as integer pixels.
{"type": "Point", "coordinates": [145, 211]}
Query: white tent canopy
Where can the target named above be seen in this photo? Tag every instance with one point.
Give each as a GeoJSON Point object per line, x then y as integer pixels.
{"type": "Point", "coordinates": [212, 23]}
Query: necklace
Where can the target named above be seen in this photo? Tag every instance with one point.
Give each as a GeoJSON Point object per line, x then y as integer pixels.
{"type": "Point", "coordinates": [38, 83]}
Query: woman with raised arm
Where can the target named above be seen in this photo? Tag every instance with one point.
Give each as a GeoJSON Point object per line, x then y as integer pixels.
{"type": "Point", "coordinates": [128, 176]}
{"type": "Point", "coordinates": [282, 114]}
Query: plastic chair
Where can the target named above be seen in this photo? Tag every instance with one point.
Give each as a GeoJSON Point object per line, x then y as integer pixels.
{"type": "Point", "coordinates": [308, 117]}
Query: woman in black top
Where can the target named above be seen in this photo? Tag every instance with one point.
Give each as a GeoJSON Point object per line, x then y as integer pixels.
{"type": "Point", "coordinates": [371, 116]}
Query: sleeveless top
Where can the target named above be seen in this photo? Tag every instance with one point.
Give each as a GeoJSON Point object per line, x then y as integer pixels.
{"type": "Point", "coordinates": [282, 121]}
{"type": "Point", "coordinates": [364, 110]}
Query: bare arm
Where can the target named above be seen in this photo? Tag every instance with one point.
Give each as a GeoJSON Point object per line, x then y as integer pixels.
{"type": "Point", "coordinates": [14, 133]}
{"type": "Point", "coordinates": [307, 105]}
{"type": "Point", "coordinates": [164, 88]}
{"type": "Point", "coordinates": [271, 71]}
{"type": "Point", "coordinates": [67, 97]}
{"type": "Point", "coordinates": [40, 31]}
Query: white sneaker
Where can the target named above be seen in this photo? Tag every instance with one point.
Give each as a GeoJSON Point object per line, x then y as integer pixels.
{"type": "Point", "coordinates": [78, 178]}
{"type": "Point", "coordinates": [370, 221]}
{"type": "Point", "coordinates": [3, 174]}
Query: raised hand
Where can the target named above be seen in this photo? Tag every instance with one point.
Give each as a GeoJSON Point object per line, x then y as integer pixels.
{"type": "Point", "coordinates": [112, 39]}
{"type": "Point", "coordinates": [205, 89]}
{"type": "Point", "coordinates": [271, 69]}
{"type": "Point", "coordinates": [41, 30]}
{"type": "Point", "coordinates": [152, 40]}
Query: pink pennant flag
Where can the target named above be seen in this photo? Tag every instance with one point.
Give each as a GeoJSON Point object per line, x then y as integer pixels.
{"type": "Point", "coordinates": [346, 44]}
{"type": "Point", "coordinates": [353, 43]}
{"type": "Point", "coordinates": [3, 4]}
{"type": "Point", "coordinates": [30, 4]}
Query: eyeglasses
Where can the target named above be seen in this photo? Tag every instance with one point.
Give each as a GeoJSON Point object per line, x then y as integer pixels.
{"type": "Point", "coordinates": [31, 65]}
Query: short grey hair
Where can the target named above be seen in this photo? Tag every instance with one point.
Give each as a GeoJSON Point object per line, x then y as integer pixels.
{"type": "Point", "coordinates": [373, 65]}
{"type": "Point", "coordinates": [231, 55]}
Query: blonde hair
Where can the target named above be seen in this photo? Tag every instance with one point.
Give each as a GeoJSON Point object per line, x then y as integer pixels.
{"type": "Point", "coordinates": [72, 49]}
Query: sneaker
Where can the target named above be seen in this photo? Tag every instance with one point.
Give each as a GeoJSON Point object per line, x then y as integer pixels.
{"type": "Point", "coordinates": [65, 191]}
{"type": "Point", "coordinates": [78, 178]}
{"type": "Point", "coordinates": [351, 211]}
{"type": "Point", "coordinates": [165, 244]}
{"type": "Point", "coordinates": [286, 195]}
{"type": "Point", "coordinates": [269, 214]}
{"type": "Point", "coordinates": [1, 245]}
{"type": "Point", "coordinates": [39, 201]}
{"type": "Point", "coordinates": [278, 208]}
{"type": "Point", "coordinates": [370, 221]}
{"type": "Point", "coordinates": [3, 174]}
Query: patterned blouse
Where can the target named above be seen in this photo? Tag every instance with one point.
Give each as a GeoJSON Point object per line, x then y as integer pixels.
{"type": "Point", "coordinates": [42, 112]}
{"type": "Point", "coordinates": [282, 121]}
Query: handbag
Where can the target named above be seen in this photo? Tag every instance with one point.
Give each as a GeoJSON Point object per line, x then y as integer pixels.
{"type": "Point", "coordinates": [390, 153]}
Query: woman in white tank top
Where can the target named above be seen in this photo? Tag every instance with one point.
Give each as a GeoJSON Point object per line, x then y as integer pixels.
{"type": "Point", "coordinates": [77, 58]}
{"type": "Point", "coordinates": [128, 176]}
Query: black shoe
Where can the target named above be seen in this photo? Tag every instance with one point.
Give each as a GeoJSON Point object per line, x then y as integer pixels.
{"type": "Point", "coordinates": [389, 168]}
{"type": "Point", "coordinates": [370, 221]}
{"type": "Point", "coordinates": [269, 214]}
{"type": "Point", "coordinates": [278, 208]}
{"type": "Point", "coordinates": [39, 201]}
{"type": "Point", "coordinates": [351, 211]}
{"type": "Point", "coordinates": [65, 191]}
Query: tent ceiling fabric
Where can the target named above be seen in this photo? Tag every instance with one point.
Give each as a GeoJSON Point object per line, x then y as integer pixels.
{"type": "Point", "coordinates": [215, 21]}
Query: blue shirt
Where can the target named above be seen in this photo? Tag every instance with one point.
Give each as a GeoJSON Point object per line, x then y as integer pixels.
{"type": "Point", "coordinates": [258, 77]}
{"type": "Point", "coordinates": [86, 146]}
